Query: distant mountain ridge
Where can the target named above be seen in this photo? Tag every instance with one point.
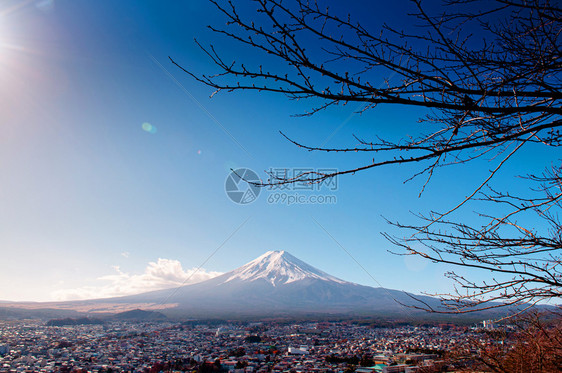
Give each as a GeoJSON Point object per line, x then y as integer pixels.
{"type": "Point", "coordinates": [277, 283]}
{"type": "Point", "coordinates": [139, 315]}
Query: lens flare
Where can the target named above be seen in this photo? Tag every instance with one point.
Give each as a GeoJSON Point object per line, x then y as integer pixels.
{"type": "Point", "coordinates": [148, 128]}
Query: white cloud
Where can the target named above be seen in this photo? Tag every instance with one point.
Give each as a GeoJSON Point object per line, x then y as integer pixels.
{"type": "Point", "coordinates": [163, 274]}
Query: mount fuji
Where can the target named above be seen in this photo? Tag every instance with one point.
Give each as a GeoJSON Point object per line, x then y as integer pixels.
{"type": "Point", "coordinates": [276, 283]}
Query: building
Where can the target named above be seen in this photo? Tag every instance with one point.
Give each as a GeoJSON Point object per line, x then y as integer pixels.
{"type": "Point", "coordinates": [4, 350]}
{"type": "Point", "coordinates": [302, 350]}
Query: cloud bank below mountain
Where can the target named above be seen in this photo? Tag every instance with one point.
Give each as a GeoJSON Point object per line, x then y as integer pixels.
{"type": "Point", "coordinates": [162, 274]}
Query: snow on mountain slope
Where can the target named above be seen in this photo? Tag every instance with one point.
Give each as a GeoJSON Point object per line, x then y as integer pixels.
{"type": "Point", "coordinates": [278, 267]}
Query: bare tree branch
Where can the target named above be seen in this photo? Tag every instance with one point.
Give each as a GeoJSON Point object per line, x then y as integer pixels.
{"type": "Point", "coordinates": [487, 78]}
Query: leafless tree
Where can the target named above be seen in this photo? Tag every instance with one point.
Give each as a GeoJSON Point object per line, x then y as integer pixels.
{"type": "Point", "coordinates": [532, 343]}
{"type": "Point", "coordinates": [487, 75]}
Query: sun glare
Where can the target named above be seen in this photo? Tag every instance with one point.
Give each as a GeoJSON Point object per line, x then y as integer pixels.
{"type": "Point", "coordinates": [22, 63]}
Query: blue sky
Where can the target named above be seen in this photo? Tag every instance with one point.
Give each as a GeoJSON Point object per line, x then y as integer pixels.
{"type": "Point", "coordinates": [90, 201]}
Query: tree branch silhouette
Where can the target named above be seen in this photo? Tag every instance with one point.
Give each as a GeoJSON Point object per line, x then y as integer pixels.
{"type": "Point", "coordinates": [487, 75]}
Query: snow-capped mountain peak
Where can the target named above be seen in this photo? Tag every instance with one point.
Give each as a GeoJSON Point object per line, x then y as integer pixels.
{"type": "Point", "coordinates": [275, 284]}
{"type": "Point", "coordinates": [278, 267]}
